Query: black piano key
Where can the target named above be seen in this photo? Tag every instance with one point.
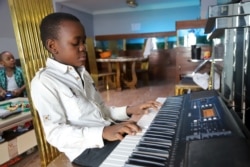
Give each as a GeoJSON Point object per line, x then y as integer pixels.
{"type": "Point", "coordinates": [169, 111]}
{"type": "Point", "coordinates": [170, 134]}
{"type": "Point", "coordinates": [167, 130]}
{"type": "Point", "coordinates": [153, 151]}
{"type": "Point", "coordinates": [166, 119]}
{"type": "Point", "coordinates": [171, 106]}
{"type": "Point", "coordinates": [155, 139]}
{"type": "Point", "coordinates": [144, 163]}
{"type": "Point", "coordinates": [165, 137]}
{"type": "Point", "coordinates": [161, 149]}
{"type": "Point", "coordinates": [166, 133]}
{"type": "Point", "coordinates": [164, 146]}
{"type": "Point", "coordinates": [157, 124]}
{"type": "Point", "coordinates": [148, 157]}
{"type": "Point", "coordinates": [171, 120]}
{"type": "Point", "coordinates": [130, 165]}
{"type": "Point", "coordinates": [170, 124]}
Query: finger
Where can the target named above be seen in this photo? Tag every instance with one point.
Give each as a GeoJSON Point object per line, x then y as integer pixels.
{"type": "Point", "coordinates": [129, 128]}
{"type": "Point", "coordinates": [119, 136]}
{"type": "Point", "coordinates": [146, 106]}
{"type": "Point", "coordinates": [158, 104]}
{"type": "Point", "coordinates": [155, 104]}
{"type": "Point", "coordinates": [144, 111]}
{"type": "Point", "coordinates": [133, 128]}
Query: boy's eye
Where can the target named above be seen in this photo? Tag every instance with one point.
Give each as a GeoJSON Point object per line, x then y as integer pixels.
{"type": "Point", "coordinates": [75, 44]}
{"type": "Point", "coordinates": [78, 42]}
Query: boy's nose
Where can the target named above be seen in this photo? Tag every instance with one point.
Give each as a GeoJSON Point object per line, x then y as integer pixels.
{"type": "Point", "coordinates": [82, 48]}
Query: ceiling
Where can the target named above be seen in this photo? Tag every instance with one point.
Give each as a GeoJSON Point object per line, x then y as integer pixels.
{"type": "Point", "coordinates": [115, 6]}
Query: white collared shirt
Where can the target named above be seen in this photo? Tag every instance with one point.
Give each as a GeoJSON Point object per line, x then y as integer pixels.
{"type": "Point", "coordinates": [73, 115]}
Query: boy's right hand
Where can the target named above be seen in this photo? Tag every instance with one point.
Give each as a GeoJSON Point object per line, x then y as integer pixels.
{"type": "Point", "coordinates": [118, 131]}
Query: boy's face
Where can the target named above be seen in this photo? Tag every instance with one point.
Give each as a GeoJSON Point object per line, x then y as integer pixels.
{"type": "Point", "coordinates": [8, 60]}
{"type": "Point", "coordinates": [70, 45]}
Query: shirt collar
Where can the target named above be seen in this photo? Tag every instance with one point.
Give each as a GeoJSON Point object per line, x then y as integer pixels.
{"type": "Point", "coordinates": [51, 63]}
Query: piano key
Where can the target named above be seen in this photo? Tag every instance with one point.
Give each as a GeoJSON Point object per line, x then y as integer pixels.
{"type": "Point", "coordinates": [159, 124]}
{"type": "Point", "coordinates": [145, 121]}
{"type": "Point", "coordinates": [172, 131]}
{"type": "Point", "coordinates": [159, 131]}
{"type": "Point", "coordinates": [166, 145]}
{"type": "Point", "coordinates": [166, 117]}
{"type": "Point", "coordinates": [153, 148]}
{"type": "Point", "coordinates": [130, 165]}
{"type": "Point", "coordinates": [161, 136]}
{"type": "Point", "coordinates": [172, 124]}
{"type": "Point", "coordinates": [147, 157]}
{"type": "Point", "coordinates": [155, 139]}
{"type": "Point", "coordinates": [152, 151]}
{"type": "Point", "coordinates": [144, 163]}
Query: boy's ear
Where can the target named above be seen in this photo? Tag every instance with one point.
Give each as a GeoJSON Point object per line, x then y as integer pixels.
{"type": "Point", "coordinates": [50, 45]}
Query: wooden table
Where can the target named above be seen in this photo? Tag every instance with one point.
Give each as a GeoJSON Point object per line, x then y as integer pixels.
{"type": "Point", "coordinates": [121, 62]}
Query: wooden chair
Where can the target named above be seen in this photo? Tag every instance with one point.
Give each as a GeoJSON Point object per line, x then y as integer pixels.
{"type": "Point", "coordinates": [143, 71]}
{"type": "Point", "coordinates": [181, 89]}
{"type": "Point", "coordinates": [143, 67]}
{"type": "Point", "coordinates": [186, 85]}
{"type": "Point", "coordinates": [109, 77]}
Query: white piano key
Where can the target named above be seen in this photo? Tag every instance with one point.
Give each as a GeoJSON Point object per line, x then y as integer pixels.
{"type": "Point", "coordinates": [145, 121]}
{"type": "Point", "coordinates": [121, 153]}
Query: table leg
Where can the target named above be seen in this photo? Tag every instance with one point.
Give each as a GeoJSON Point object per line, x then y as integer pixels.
{"type": "Point", "coordinates": [132, 84]}
{"type": "Point", "coordinates": [118, 77]}
{"type": "Point", "coordinates": [111, 82]}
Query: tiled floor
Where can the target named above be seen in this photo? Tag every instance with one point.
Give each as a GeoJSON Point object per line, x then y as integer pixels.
{"type": "Point", "coordinates": [117, 98]}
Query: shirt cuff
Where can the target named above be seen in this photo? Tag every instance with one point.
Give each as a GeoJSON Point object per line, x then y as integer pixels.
{"type": "Point", "coordinates": [95, 137]}
{"type": "Point", "coordinates": [119, 113]}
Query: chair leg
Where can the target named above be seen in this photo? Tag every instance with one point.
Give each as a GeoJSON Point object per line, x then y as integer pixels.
{"type": "Point", "coordinates": [106, 82]}
{"type": "Point", "coordinates": [145, 78]}
{"type": "Point", "coordinates": [95, 78]}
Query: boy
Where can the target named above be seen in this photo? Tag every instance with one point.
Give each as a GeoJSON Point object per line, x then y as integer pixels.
{"type": "Point", "coordinates": [11, 77]}
{"type": "Point", "coordinates": [74, 117]}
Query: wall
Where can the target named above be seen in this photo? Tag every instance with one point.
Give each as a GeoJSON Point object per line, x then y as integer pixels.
{"type": "Point", "coordinates": [160, 20]}
{"type": "Point", "coordinates": [7, 37]}
{"type": "Point", "coordinates": [102, 24]}
{"type": "Point", "coordinates": [204, 7]}
{"type": "Point", "coordinates": [85, 18]}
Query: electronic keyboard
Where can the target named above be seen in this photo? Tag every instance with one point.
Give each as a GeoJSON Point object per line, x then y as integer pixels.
{"type": "Point", "coordinates": [191, 130]}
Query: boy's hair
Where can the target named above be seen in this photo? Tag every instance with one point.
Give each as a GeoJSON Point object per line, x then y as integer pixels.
{"type": "Point", "coordinates": [50, 25]}
{"type": "Point", "coordinates": [1, 55]}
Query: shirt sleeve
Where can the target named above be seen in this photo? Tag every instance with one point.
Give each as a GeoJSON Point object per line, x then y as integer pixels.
{"type": "Point", "coordinates": [118, 113]}
{"type": "Point", "coordinates": [59, 132]}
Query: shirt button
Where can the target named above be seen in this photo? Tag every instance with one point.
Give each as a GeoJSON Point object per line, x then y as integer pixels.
{"type": "Point", "coordinates": [77, 78]}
